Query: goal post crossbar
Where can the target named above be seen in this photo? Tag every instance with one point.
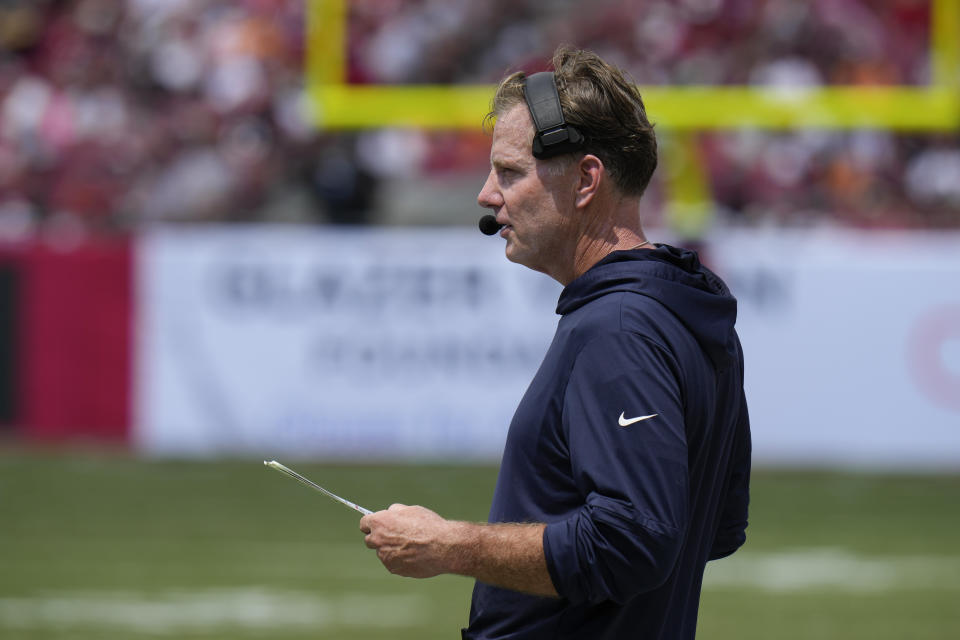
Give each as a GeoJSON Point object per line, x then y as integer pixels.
{"type": "Point", "coordinates": [335, 104]}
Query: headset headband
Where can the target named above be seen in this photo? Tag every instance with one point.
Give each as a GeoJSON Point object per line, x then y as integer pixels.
{"type": "Point", "coordinates": [554, 136]}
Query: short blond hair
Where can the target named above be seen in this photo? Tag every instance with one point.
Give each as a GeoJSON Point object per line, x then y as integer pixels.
{"type": "Point", "coordinates": [605, 106]}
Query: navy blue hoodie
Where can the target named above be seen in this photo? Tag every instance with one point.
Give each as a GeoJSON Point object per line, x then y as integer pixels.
{"type": "Point", "coordinates": [633, 444]}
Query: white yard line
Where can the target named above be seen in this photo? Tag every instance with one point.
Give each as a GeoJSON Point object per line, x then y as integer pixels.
{"type": "Point", "coordinates": [832, 569]}
{"type": "Point", "coordinates": [176, 612]}
{"type": "Point", "coordinates": [258, 609]}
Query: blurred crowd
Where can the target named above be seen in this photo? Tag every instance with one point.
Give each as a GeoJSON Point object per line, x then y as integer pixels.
{"type": "Point", "coordinates": [119, 113]}
{"type": "Point", "coordinates": [670, 42]}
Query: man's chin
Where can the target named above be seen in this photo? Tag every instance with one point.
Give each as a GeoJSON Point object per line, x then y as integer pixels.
{"type": "Point", "coordinates": [510, 250]}
{"type": "Point", "coordinates": [514, 254]}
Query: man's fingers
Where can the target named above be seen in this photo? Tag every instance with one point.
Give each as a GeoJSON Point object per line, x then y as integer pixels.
{"type": "Point", "coordinates": [366, 526]}
{"type": "Point", "coordinates": [368, 521]}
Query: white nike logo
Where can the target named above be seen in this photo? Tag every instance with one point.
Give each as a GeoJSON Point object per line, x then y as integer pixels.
{"type": "Point", "coordinates": [624, 422]}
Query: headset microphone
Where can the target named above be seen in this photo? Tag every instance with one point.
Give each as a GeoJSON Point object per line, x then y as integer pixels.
{"type": "Point", "coordinates": [489, 225]}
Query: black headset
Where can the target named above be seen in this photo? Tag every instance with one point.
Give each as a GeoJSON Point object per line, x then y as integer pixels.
{"type": "Point", "coordinates": [554, 136]}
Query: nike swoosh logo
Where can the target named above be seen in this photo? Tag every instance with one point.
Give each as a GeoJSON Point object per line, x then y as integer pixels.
{"type": "Point", "coordinates": [625, 422]}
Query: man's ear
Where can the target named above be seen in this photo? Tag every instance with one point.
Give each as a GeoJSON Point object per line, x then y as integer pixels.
{"type": "Point", "coordinates": [590, 173]}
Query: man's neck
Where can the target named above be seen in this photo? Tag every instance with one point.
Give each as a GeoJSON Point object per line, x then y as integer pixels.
{"type": "Point", "coordinates": [619, 231]}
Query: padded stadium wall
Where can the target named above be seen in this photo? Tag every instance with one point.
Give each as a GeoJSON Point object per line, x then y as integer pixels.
{"type": "Point", "coordinates": [416, 344]}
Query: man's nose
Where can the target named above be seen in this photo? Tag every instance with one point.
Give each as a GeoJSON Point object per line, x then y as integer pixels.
{"type": "Point", "coordinates": [489, 196]}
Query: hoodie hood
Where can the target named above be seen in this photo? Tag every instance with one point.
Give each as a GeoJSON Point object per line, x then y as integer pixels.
{"type": "Point", "coordinates": [674, 278]}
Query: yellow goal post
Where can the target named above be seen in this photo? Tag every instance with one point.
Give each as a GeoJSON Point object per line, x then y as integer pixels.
{"type": "Point", "coordinates": [679, 112]}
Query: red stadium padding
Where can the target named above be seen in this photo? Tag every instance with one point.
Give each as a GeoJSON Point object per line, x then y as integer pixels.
{"type": "Point", "coordinates": [75, 351]}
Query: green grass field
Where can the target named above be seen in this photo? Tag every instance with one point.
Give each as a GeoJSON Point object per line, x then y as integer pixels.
{"type": "Point", "coordinates": [101, 547]}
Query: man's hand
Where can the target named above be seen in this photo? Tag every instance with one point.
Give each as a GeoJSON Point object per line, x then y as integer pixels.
{"type": "Point", "coordinates": [417, 543]}
{"type": "Point", "coordinates": [411, 541]}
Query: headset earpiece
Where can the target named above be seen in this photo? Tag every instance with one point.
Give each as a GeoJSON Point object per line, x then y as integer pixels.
{"type": "Point", "coordinates": [554, 136]}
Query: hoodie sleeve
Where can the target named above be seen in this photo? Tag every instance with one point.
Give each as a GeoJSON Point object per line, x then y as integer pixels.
{"type": "Point", "coordinates": [731, 533]}
{"type": "Point", "coordinates": [623, 418]}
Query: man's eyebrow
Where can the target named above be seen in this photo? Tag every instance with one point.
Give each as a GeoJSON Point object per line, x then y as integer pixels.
{"type": "Point", "coordinates": [500, 162]}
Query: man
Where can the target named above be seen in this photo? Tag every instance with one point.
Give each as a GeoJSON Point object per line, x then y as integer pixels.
{"type": "Point", "coordinates": [627, 463]}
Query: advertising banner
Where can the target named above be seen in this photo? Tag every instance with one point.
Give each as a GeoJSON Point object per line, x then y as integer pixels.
{"type": "Point", "coordinates": [418, 343]}
{"type": "Point", "coordinates": [852, 344]}
{"type": "Point", "coordinates": [380, 344]}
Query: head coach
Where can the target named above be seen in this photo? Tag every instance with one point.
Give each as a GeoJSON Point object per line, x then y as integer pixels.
{"type": "Point", "coordinates": [627, 463]}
